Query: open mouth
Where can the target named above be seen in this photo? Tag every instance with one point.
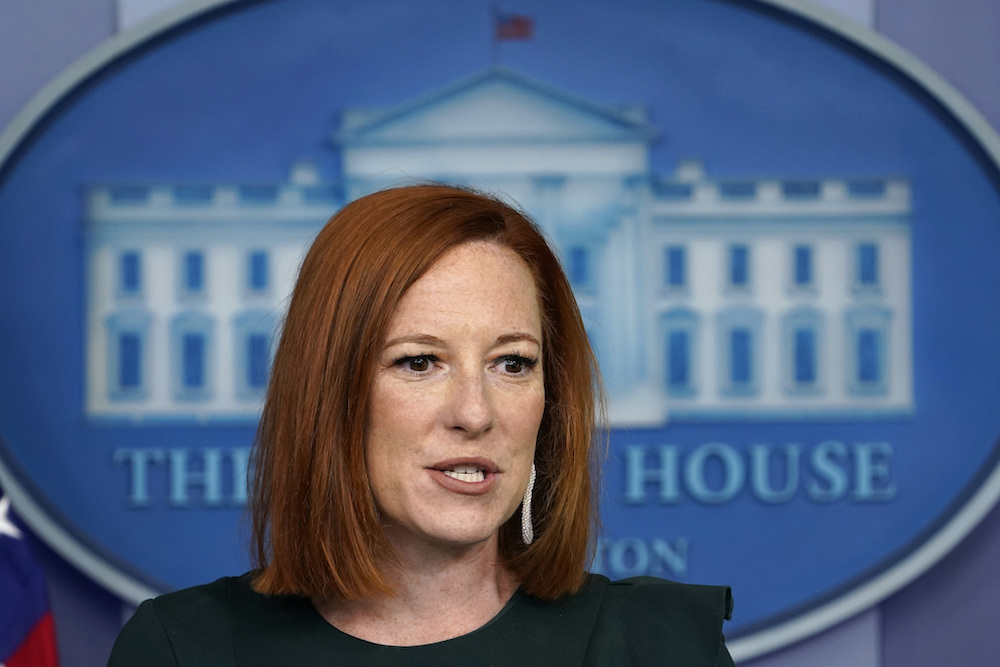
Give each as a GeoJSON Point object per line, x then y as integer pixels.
{"type": "Point", "coordinates": [466, 473]}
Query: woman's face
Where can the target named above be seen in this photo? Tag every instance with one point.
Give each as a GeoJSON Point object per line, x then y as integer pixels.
{"type": "Point", "coordinates": [457, 400]}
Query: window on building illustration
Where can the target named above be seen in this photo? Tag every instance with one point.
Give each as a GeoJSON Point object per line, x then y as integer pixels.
{"type": "Point", "coordinates": [869, 361]}
{"type": "Point", "coordinates": [804, 356]}
{"type": "Point", "coordinates": [253, 331]}
{"type": "Point", "coordinates": [679, 359]}
{"type": "Point", "coordinates": [739, 265]}
{"type": "Point", "coordinates": [257, 361]}
{"type": "Point", "coordinates": [193, 361]}
{"type": "Point", "coordinates": [129, 361]}
{"type": "Point", "coordinates": [676, 266]}
{"type": "Point", "coordinates": [193, 271]}
{"type": "Point", "coordinates": [867, 265]}
{"type": "Point", "coordinates": [739, 350]}
{"type": "Point", "coordinates": [740, 357]}
{"type": "Point", "coordinates": [258, 278]}
{"type": "Point", "coordinates": [801, 348]}
{"type": "Point", "coordinates": [130, 272]}
{"type": "Point", "coordinates": [579, 265]}
{"type": "Point", "coordinates": [680, 330]}
{"type": "Point", "coordinates": [802, 266]}
{"type": "Point", "coordinates": [126, 336]}
{"type": "Point", "coordinates": [868, 331]}
{"type": "Point", "coordinates": [191, 334]}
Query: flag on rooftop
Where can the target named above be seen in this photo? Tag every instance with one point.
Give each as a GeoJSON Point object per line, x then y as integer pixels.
{"type": "Point", "coordinates": [513, 26]}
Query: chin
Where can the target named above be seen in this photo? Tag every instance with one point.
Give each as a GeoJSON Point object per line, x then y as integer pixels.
{"type": "Point", "coordinates": [462, 538]}
{"type": "Point", "coordinates": [447, 527]}
{"type": "Point", "coordinates": [470, 533]}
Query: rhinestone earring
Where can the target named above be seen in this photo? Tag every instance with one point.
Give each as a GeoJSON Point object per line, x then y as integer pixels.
{"type": "Point", "coordinates": [527, 530]}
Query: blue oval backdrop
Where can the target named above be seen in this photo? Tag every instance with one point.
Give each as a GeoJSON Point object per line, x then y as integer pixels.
{"type": "Point", "coordinates": [783, 243]}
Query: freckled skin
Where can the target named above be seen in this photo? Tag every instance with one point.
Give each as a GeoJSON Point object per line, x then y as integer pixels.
{"type": "Point", "coordinates": [459, 377]}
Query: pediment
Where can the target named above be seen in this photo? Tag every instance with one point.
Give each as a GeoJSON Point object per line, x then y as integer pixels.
{"type": "Point", "coordinates": [497, 105]}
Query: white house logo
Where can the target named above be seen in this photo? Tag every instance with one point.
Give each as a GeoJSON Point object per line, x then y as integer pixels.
{"type": "Point", "coordinates": [748, 298]}
{"type": "Point", "coordinates": [772, 255]}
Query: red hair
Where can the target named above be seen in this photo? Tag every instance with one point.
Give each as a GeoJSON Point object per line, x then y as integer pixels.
{"type": "Point", "coordinates": [316, 530]}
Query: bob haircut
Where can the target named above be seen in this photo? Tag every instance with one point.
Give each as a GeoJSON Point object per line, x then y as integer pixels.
{"type": "Point", "coordinates": [315, 525]}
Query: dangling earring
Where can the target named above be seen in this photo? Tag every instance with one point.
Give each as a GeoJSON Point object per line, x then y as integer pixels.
{"type": "Point", "coordinates": [527, 530]}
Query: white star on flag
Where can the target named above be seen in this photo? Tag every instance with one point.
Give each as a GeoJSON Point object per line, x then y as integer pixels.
{"type": "Point", "coordinates": [7, 526]}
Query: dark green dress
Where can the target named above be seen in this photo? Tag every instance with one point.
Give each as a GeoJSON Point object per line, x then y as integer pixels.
{"type": "Point", "coordinates": [640, 621]}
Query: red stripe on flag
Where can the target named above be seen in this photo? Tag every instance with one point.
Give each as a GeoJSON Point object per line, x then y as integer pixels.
{"type": "Point", "coordinates": [39, 648]}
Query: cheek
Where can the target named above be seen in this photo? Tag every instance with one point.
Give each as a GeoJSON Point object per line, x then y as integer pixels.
{"type": "Point", "coordinates": [528, 414]}
{"type": "Point", "coordinates": [381, 435]}
{"type": "Point", "coordinates": [389, 408]}
{"type": "Point", "coordinates": [397, 418]}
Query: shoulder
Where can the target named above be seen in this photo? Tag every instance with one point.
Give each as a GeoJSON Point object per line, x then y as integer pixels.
{"type": "Point", "coordinates": [707, 603]}
{"type": "Point", "coordinates": [210, 599]}
{"type": "Point", "coordinates": [172, 628]}
{"type": "Point", "coordinates": [646, 618]}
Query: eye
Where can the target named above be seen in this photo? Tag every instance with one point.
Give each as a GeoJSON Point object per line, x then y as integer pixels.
{"type": "Point", "coordinates": [513, 365]}
{"type": "Point", "coordinates": [516, 364]}
{"type": "Point", "coordinates": [420, 363]}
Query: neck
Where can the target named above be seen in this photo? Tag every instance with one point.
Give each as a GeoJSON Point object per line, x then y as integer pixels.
{"type": "Point", "coordinates": [442, 592]}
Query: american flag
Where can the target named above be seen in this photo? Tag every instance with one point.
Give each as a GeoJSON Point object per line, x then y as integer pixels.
{"type": "Point", "coordinates": [27, 637]}
{"type": "Point", "coordinates": [513, 26]}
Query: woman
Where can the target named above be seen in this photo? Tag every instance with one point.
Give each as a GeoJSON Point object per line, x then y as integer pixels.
{"type": "Point", "coordinates": [432, 378]}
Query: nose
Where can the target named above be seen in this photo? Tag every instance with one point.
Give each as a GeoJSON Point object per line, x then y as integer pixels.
{"type": "Point", "coordinates": [471, 407]}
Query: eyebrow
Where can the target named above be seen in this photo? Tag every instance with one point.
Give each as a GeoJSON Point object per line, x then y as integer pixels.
{"type": "Point", "coordinates": [427, 339]}
{"type": "Point", "coordinates": [518, 337]}
{"type": "Point", "coordinates": [419, 339]}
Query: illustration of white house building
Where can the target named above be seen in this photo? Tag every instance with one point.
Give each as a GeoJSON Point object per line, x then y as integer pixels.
{"type": "Point", "coordinates": [750, 298]}
{"type": "Point", "coordinates": [186, 285]}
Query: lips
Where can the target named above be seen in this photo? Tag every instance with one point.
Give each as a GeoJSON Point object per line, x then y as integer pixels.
{"type": "Point", "coordinates": [466, 476]}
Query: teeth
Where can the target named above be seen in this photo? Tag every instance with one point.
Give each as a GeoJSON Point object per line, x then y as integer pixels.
{"type": "Point", "coordinates": [466, 473]}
